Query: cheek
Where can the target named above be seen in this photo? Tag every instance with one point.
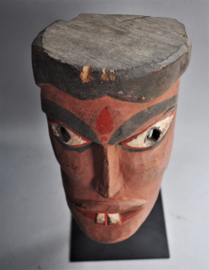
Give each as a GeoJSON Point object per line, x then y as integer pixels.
{"type": "Point", "coordinates": [147, 166]}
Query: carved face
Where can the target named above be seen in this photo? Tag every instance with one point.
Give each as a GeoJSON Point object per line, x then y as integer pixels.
{"type": "Point", "coordinates": [112, 155]}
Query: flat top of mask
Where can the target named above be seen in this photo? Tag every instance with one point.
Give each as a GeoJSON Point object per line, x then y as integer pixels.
{"type": "Point", "coordinates": [117, 42]}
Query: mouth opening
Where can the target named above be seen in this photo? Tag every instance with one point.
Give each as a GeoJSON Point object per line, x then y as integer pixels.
{"type": "Point", "coordinates": [110, 218]}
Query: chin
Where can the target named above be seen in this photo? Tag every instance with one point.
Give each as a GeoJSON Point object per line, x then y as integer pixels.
{"type": "Point", "coordinates": [111, 233]}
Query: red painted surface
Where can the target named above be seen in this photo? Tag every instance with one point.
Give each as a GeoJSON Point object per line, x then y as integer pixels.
{"type": "Point", "coordinates": [103, 139]}
{"type": "Point", "coordinates": [88, 214]}
{"type": "Point", "coordinates": [123, 216]}
{"type": "Point", "coordinates": [106, 220]}
{"type": "Point", "coordinates": [130, 215]}
{"type": "Point", "coordinates": [89, 110]}
{"type": "Point", "coordinates": [104, 122]}
{"type": "Point", "coordinates": [130, 179]}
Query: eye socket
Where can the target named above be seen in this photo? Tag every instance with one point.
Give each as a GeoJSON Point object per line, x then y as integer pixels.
{"type": "Point", "coordinates": [64, 135]}
{"type": "Point", "coordinates": [67, 136]}
{"type": "Point", "coordinates": [151, 135]}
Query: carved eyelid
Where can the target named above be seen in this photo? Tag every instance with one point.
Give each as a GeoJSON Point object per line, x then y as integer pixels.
{"type": "Point", "coordinates": [173, 108]}
{"type": "Point", "coordinates": [53, 121]}
{"type": "Point", "coordinates": [142, 137]}
{"type": "Point", "coordinates": [76, 139]}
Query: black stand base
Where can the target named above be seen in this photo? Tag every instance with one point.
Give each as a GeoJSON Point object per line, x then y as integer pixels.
{"type": "Point", "coordinates": [149, 242]}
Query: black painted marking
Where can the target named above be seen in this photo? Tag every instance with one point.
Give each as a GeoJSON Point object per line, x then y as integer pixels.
{"type": "Point", "coordinates": [148, 56]}
{"type": "Point", "coordinates": [154, 134]}
{"type": "Point", "coordinates": [72, 148]}
{"type": "Point", "coordinates": [61, 114]}
{"type": "Point", "coordinates": [129, 126]}
{"type": "Point", "coordinates": [144, 149]}
{"type": "Point", "coordinates": [138, 90]}
{"type": "Point", "coordinates": [171, 109]}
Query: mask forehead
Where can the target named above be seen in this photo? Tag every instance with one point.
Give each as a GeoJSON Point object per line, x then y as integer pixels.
{"type": "Point", "coordinates": [104, 116]}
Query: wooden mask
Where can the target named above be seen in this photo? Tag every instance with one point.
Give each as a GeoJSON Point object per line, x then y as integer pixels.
{"type": "Point", "coordinates": [109, 87]}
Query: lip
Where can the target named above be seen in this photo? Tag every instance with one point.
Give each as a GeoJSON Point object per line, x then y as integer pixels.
{"type": "Point", "coordinates": [124, 215]}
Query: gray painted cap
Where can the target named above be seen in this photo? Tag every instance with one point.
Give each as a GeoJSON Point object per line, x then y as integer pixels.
{"type": "Point", "coordinates": [112, 52]}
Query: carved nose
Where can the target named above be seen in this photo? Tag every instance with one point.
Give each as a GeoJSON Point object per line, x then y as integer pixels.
{"type": "Point", "coordinates": [109, 180]}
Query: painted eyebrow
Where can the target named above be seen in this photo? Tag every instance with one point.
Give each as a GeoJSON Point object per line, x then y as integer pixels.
{"type": "Point", "coordinates": [130, 125]}
{"type": "Point", "coordinates": [61, 114]}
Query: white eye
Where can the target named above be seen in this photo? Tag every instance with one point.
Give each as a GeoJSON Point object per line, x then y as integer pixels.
{"type": "Point", "coordinates": [151, 135]}
{"type": "Point", "coordinates": [67, 136]}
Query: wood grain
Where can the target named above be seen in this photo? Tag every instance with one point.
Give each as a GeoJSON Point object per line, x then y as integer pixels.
{"type": "Point", "coordinates": [116, 42]}
{"type": "Point", "coordinates": [112, 53]}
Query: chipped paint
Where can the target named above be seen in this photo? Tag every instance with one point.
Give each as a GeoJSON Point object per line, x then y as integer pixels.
{"type": "Point", "coordinates": [112, 77]}
{"type": "Point", "coordinates": [86, 74]}
{"type": "Point", "coordinates": [159, 68]}
{"type": "Point", "coordinates": [112, 71]}
{"type": "Point", "coordinates": [105, 72]}
{"type": "Point", "coordinates": [104, 75]}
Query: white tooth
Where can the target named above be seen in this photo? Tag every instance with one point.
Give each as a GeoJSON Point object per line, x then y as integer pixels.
{"type": "Point", "coordinates": [100, 218]}
{"type": "Point", "coordinates": [113, 218]}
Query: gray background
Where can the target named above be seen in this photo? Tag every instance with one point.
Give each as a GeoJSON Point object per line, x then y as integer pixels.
{"type": "Point", "coordinates": [35, 220]}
